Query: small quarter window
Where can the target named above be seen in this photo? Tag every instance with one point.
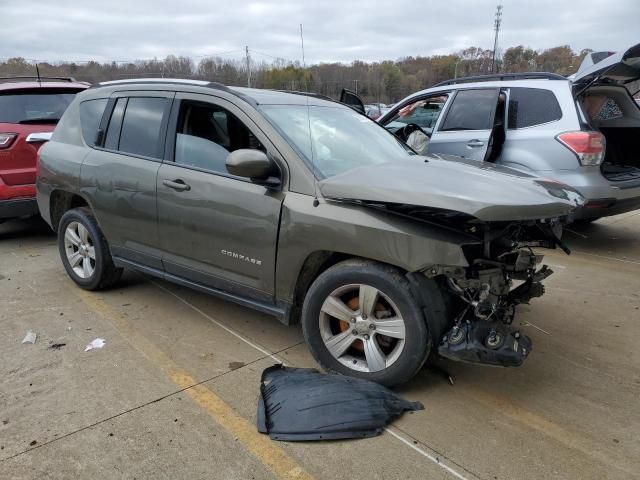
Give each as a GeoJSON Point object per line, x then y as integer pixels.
{"type": "Point", "coordinates": [90, 116]}
{"type": "Point", "coordinates": [532, 106]}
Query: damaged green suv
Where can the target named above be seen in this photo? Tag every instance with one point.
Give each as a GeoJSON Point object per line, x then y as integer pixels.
{"type": "Point", "coordinates": [299, 207]}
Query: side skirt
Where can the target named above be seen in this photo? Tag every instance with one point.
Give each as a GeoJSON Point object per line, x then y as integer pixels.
{"type": "Point", "coordinates": [282, 313]}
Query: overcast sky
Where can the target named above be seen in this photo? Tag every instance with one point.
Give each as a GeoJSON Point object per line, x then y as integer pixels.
{"type": "Point", "coordinates": [334, 30]}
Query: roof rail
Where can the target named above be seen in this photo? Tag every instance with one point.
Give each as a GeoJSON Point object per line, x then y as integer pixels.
{"type": "Point", "coordinates": [177, 81]}
{"type": "Point", "coordinates": [503, 76]}
{"type": "Point", "coordinates": [186, 81]}
{"type": "Point", "coordinates": [36, 78]}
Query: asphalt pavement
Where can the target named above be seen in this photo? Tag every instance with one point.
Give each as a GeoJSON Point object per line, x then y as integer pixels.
{"type": "Point", "coordinates": [173, 392]}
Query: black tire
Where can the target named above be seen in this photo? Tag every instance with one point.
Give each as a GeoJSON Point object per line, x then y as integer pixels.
{"type": "Point", "coordinates": [105, 273]}
{"type": "Point", "coordinates": [392, 283]}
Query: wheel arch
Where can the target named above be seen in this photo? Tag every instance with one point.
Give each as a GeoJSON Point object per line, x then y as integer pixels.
{"type": "Point", "coordinates": [60, 202]}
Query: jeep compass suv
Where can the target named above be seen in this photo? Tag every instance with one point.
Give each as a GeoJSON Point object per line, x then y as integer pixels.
{"type": "Point", "coordinates": [30, 107]}
{"type": "Point", "coordinates": [302, 208]}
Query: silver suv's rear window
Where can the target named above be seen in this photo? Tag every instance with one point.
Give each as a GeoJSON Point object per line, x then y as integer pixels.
{"type": "Point", "coordinates": [532, 106]}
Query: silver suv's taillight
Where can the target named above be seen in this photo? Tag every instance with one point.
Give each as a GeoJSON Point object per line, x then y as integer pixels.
{"type": "Point", "coordinates": [588, 146]}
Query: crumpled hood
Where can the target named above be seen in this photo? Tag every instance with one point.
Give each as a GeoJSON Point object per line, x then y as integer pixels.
{"type": "Point", "coordinates": [486, 191]}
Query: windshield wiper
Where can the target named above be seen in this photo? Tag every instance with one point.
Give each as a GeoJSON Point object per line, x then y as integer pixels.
{"type": "Point", "coordinates": [39, 120]}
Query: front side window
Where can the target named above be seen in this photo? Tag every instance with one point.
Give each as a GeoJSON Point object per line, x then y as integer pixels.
{"type": "Point", "coordinates": [141, 126]}
{"type": "Point", "coordinates": [206, 135]}
{"type": "Point", "coordinates": [423, 113]}
{"type": "Point", "coordinates": [334, 140]}
{"type": "Point", "coordinates": [471, 110]}
{"type": "Point", "coordinates": [532, 106]}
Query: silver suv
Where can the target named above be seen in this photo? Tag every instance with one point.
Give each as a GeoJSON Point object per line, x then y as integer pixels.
{"type": "Point", "coordinates": [583, 131]}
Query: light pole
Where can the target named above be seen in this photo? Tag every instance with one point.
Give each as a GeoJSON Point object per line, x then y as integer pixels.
{"type": "Point", "coordinates": [496, 26]}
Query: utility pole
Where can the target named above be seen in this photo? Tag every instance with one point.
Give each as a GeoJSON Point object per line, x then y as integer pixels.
{"type": "Point", "coordinates": [246, 49]}
{"type": "Point", "coordinates": [356, 85]}
{"type": "Point", "coordinates": [496, 26]}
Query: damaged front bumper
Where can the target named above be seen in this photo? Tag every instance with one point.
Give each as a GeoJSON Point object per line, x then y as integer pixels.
{"type": "Point", "coordinates": [503, 273]}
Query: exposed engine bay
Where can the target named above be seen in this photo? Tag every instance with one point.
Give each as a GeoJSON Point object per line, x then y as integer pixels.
{"type": "Point", "coordinates": [503, 274]}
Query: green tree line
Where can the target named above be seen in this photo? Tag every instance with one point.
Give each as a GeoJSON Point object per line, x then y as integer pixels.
{"type": "Point", "coordinates": [386, 81]}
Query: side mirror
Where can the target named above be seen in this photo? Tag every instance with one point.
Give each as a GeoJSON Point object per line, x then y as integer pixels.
{"type": "Point", "coordinates": [352, 100]}
{"type": "Point", "coordinates": [253, 164]}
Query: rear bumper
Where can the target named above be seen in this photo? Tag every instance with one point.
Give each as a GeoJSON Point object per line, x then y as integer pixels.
{"type": "Point", "coordinates": [603, 197]}
{"type": "Point", "coordinates": [604, 207]}
{"type": "Point", "coordinates": [19, 207]}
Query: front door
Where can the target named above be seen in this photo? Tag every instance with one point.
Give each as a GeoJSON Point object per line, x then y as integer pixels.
{"type": "Point", "coordinates": [215, 229]}
{"type": "Point", "coordinates": [466, 129]}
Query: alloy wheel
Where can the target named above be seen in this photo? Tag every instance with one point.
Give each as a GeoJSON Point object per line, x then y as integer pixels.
{"type": "Point", "coordinates": [362, 328]}
{"type": "Point", "coordinates": [80, 251]}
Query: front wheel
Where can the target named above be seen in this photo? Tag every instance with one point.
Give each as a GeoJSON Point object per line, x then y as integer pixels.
{"type": "Point", "coordinates": [84, 251]}
{"type": "Point", "coordinates": [360, 318]}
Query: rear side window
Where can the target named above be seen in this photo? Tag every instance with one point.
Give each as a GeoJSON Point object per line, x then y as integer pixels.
{"type": "Point", "coordinates": [532, 106]}
{"type": "Point", "coordinates": [141, 126]}
{"type": "Point", "coordinates": [471, 110]}
{"type": "Point", "coordinates": [90, 115]}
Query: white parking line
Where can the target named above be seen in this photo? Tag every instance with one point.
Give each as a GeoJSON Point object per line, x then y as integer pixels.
{"type": "Point", "coordinates": [221, 325]}
{"type": "Point", "coordinates": [406, 442]}
{"type": "Point", "coordinates": [426, 454]}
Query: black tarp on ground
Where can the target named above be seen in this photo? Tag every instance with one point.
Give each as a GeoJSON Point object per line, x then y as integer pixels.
{"type": "Point", "coordinates": [299, 404]}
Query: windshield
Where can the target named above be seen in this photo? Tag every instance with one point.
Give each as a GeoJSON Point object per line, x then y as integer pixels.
{"type": "Point", "coordinates": [340, 139]}
{"type": "Point", "coordinates": [27, 107]}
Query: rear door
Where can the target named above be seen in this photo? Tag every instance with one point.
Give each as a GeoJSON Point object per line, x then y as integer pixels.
{"type": "Point", "coordinates": [466, 129]}
{"type": "Point", "coordinates": [216, 229]}
{"type": "Point", "coordinates": [119, 174]}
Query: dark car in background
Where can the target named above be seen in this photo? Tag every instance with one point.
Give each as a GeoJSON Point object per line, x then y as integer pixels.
{"type": "Point", "coordinates": [30, 108]}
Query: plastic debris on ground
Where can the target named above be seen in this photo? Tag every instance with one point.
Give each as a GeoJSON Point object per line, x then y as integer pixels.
{"type": "Point", "coordinates": [30, 337]}
{"type": "Point", "coordinates": [300, 404]}
{"type": "Point", "coordinates": [97, 343]}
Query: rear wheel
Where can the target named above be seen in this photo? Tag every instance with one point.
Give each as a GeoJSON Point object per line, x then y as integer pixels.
{"type": "Point", "coordinates": [359, 318]}
{"type": "Point", "coordinates": [84, 251]}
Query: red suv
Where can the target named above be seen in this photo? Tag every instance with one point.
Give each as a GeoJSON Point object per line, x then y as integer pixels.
{"type": "Point", "coordinates": [30, 107]}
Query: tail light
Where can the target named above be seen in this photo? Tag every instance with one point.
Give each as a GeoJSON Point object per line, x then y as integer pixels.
{"type": "Point", "coordinates": [6, 139]}
{"type": "Point", "coordinates": [588, 146]}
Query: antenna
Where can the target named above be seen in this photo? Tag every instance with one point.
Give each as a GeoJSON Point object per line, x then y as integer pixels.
{"type": "Point", "coordinates": [496, 26]}
{"type": "Point", "coordinates": [38, 73]}
{"type": "Point", "coordinates": [313, 164]}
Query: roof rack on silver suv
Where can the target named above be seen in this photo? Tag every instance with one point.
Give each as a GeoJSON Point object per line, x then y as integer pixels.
{"type": "Point", "coordinates": [503, 76]}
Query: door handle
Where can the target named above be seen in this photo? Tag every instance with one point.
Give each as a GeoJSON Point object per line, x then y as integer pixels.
{"type": "Point", "coordinates": [475, 143]}
{"type": "Point", "coordinates": [177, 184]}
